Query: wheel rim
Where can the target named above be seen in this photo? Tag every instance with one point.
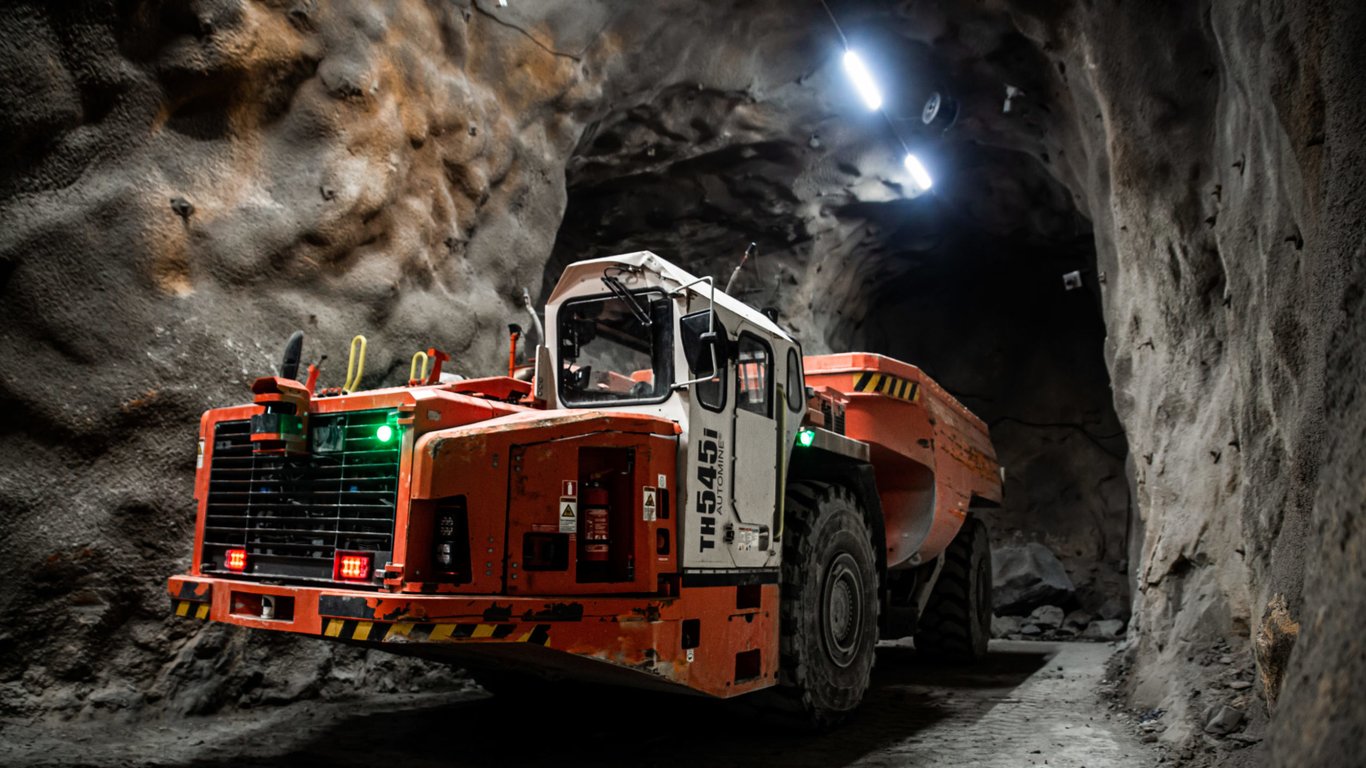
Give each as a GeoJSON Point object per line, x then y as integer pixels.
{"type": "Point", "coordinates": [842, 606]}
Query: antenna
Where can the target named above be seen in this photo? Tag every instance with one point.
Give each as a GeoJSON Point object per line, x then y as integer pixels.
{"type": "Point", "coordinates": [750, 251]}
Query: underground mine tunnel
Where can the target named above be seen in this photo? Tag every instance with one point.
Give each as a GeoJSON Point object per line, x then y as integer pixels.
{"type": "Point", "coordinates": [923, 383]}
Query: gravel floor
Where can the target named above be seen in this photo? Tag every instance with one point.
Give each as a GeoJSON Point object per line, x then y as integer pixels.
{"type": "Point", "coordinates": [1029, 704]}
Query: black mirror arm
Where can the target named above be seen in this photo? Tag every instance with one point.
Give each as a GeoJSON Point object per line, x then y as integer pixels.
{"type": "Point", "coordinates": [709, 337]}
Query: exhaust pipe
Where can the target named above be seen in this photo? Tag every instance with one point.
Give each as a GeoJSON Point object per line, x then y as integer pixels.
{"type": "Point", "coordinates": [289, 366]}
{"type": "Point", "coordinates": [514, 333]}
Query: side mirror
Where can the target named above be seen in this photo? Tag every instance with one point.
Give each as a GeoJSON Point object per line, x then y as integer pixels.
{"type": "Point", "coordinates": [704, 340]}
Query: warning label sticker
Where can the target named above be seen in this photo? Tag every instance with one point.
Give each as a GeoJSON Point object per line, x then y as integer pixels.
{"type": "Point", "coordinates": [650, 508]}
{"type": "Point", "coordinates": [569, 515]}
{"type": "Point", "coordinates": [746, 538]}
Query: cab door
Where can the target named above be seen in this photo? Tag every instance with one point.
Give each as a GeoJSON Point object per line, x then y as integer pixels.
{"type": "Point", "coordinates": [704, 508]}
{"type": "Point", "coordinates": [755, 476]}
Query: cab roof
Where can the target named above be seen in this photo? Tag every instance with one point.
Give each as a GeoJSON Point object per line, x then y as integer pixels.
{"type": "Point", "coordinates": [588, 271]}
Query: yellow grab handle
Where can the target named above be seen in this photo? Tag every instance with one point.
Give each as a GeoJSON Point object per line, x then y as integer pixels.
{"type": "Point", "coordinates": [355, 365]}
{"type": "Point", "coordinates": [417, 371]}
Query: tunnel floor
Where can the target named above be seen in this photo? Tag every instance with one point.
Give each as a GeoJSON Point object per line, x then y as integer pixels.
{"type": "Point", "coordinates": [1030, 703]}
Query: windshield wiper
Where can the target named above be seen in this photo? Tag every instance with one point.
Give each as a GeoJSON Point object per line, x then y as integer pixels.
{"type": "Point", "coordinates": [614, 285]}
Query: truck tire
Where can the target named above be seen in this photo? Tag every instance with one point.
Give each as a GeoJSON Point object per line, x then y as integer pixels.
{"type": "Point", "coordinates": [829, 602]}
{"type": "Point", "coordinates": [956, 624]}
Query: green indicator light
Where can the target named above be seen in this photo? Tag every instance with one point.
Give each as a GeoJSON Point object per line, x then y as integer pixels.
{"type": "Point", "coordinates": [806, 437]}
{"type": "Point", "coordinates": [385, 433]}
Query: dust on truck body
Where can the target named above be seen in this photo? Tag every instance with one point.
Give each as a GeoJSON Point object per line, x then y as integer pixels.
{"type": "Point", "coordinates": [676, 499]}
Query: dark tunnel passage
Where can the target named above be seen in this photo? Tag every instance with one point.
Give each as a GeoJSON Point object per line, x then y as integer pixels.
{"type": "Point", "coordinates": [966, 282]}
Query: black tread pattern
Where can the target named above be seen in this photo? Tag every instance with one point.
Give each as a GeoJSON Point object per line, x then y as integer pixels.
{"type": "Point", "coordinates": [956, 624]}
{"type": "Point", "coordinates": [819, 517]}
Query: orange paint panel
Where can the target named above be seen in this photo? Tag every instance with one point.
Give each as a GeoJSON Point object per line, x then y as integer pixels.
{"type": "Point", "coordinates": [485, 461]}
{"type": "Point", "coordinates": [930, 454]}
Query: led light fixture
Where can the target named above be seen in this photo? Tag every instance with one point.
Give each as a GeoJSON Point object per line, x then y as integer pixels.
{"type": "Point", "coordinates": [863, 80]}
{"type": "Point", "coordinates": [919, 176]}
{"type": "Point", "coordinates": [351, 566]}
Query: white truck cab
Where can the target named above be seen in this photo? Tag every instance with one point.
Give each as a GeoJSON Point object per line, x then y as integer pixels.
{"type": "Point", "coordinates": [636, 333]}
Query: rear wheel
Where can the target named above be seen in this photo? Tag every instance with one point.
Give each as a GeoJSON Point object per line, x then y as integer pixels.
{"type": "Point", "coordinates": [829, 601]}
{"type": "Point", "coordinates": [956, 624]}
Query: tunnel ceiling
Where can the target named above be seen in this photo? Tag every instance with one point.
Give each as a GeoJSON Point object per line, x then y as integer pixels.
{"type": "Point", "coordinates": [805, 171]}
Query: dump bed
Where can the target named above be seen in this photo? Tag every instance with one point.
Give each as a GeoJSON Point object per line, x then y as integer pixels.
{"type": "Point", "coordinates": [932, 457]}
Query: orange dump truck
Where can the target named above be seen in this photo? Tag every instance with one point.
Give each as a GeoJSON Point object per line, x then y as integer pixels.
{"type": "Point", "coordinates": [675, 498]}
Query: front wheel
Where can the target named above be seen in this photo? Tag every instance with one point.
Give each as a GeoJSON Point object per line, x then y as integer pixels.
{"type": "Point", "coordinates": [829, 601]}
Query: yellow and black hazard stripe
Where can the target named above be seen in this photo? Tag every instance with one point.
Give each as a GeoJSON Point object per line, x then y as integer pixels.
{"type": "Point", "coordinates": [186, 608]}
{"type": "Point", "coordinates": [887, 384]}
{"type": "Point", "coordinates": [403, 631]}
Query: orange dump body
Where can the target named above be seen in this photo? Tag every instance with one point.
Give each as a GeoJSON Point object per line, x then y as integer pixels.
{"type": "Point", "coordinates": [932, 458]}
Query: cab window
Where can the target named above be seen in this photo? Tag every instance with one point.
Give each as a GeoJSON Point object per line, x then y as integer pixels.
{"type": "Point", "coordinates": [753, 379]}
{"type": "Point", "coordinates": [796, 387]}
{"type": "Point", "coordinates": [612, 351]}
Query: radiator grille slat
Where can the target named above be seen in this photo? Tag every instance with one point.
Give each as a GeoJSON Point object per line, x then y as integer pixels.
{"type": "Point", "coordinates": [292, 513]}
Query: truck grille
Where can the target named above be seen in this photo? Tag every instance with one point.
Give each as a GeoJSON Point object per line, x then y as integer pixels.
{"type": "Point", "coordinates": [293, 513]}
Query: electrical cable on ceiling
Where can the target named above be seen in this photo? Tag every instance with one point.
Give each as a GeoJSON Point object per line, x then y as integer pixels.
{"type": "Point", "coordinates": [835, 21]}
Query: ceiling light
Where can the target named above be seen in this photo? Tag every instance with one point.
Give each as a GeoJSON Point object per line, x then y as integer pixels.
{"type": "Point", "coordinates": [863, 80]}
{"type": "Point", "coordinates": [919, 176]}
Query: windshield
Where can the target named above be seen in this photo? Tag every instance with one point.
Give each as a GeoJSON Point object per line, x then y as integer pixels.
{"type": "Point", "coordinates": [611, 351]}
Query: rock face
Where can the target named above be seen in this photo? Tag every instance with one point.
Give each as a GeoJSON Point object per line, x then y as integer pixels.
{"type": "Point", "coordinates": [1027, 576]}
{"type": "Point", "coordinates": [183, 184]}
{"type": "Point", "coordinates": [1105, 629]}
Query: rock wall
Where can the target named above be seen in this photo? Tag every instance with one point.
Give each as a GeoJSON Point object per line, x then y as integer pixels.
{"type": "Point", "coordinates": [183, 184]}
{"type": "Point", "coordinates": [1214, 149]}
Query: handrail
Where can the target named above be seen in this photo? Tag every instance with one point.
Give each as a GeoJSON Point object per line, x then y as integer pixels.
{"type": "Point", "coordinates": [417, 369]}
{"type": "Point", "coordinates": [355, 364]}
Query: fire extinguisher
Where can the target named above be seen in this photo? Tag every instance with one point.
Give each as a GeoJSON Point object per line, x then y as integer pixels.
{"type": "Point", "coordinates": [596, 533]}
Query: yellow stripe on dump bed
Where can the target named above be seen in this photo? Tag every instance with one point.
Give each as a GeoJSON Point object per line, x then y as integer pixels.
{"type": "Point", "coordinates": [887, 384]}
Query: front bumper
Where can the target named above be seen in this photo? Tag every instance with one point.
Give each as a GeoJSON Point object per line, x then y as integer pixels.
{"type": "Point", "coordinates": [693, 640]}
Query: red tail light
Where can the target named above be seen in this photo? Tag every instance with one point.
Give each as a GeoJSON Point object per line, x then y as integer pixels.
{"type": "Point", "coordinates": [351, 566]}
{"type": "Point", "coordinates": [235, 560]}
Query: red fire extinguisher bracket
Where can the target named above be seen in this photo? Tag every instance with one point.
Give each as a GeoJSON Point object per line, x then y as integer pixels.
{"type": "Point", "coordinates": [596, 524]}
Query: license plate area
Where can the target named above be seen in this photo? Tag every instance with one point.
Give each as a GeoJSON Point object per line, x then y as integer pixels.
{"type": "Point", "coordinates": [262, 607]}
